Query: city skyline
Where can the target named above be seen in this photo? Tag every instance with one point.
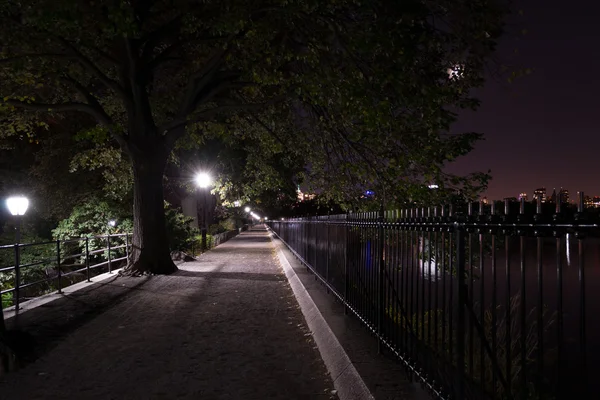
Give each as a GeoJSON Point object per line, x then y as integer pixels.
{"type": "Point", "coordinates": [540, 130]}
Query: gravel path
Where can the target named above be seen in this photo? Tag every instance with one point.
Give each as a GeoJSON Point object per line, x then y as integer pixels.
{"type": "Point", "coordinates": [224, 327]}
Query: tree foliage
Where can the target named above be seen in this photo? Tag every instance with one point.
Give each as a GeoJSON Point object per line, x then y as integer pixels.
{"type": "Point", "coordinates": [356, 93]}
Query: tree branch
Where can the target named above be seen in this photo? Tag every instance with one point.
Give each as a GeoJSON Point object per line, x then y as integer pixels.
{"type": "Point", "coordinates": [35, 55]}
{"type": "Point", "coordinates": [224, 109]}
{"type": "Point", "coordinates": [102, 117]}
{"type": "Point", "coordinates": [92, 68]}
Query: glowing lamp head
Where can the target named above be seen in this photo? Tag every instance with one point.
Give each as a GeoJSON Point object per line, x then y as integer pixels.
{"type": "Point", "coordinates": [17, 205]}
{"type": "Point", "coordinates": [247, 209]}
{"type": "Point", "coordinates": [112, 223]}
{"type": "Point", "coordinates": [203, 180]}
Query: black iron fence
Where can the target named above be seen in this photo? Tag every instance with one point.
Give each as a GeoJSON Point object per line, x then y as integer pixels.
{"type": "Point", "coordinates": [485, 304]}
{"type": "Point", "coordinates": [32, 269]}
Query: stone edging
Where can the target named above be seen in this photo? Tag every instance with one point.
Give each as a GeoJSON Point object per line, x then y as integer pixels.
{"type": "Point", "coordinates": [346, 380]}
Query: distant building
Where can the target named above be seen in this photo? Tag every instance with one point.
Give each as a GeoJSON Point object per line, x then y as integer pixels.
{"type": "Point", "coordinates": [304, 196]}
{"type": "Point", "coordinates": [540, 193]}
{"type": "Point", "coordinates": [553, 197]}
{"type": "Point", "coordinates": [563, 195]}
{"type": "Point", "coordinates": [523, 196]}
{"type": "Point", "coordinates": [588, 201]}
{"type": "Point", "coordinates": [596, 201]}
{"type": "Point", "coordinates": [511, 199]}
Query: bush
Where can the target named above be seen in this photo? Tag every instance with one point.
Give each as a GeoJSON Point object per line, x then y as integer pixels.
{"type": "Point", "coordinates": [179, 229]}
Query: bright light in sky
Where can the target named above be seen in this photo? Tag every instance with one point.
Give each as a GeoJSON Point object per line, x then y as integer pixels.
{"type": "Point", "coordinates": [455, 72]}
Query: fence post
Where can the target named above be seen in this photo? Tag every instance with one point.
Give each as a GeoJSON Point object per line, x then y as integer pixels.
{"type": "Point", "coordinates": [109, 258]}
{"type": "Point", "coordinates": [127, 248]}
{"type": "Point", "coordinates": [460, 312]}
{"type": "Point", "coordinates": [87, 258]}
{"type": "Point", "coordinates": [17, 276]}
{"type": "Point", "coordinates": [380, 287]}
{"type": "Point", "coordinates": [58, 266]}
{"type": "Point", "coordinates": [346, 266]}
{"type": "Point", "coordinates": [327, 224]}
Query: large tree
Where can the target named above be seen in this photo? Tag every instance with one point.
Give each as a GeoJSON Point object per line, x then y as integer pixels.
{"type": "Point", "coordinates": [360, 90]}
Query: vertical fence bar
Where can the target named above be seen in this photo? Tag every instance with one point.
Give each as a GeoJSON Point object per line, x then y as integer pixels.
{"type": "Point", "coordinates": [109, 256]}
{"type": "Point", "coordinates": [494, 301]}
{"type": "Point", "coordinates": [540, 301]}
{"type": "Point", "coordinates": [471, 295]}
{"type": "Point", "coordinates": [17, 291]}
{"type": "Point", "coordinates": [87, 258]}
{"type": "Point", "coordinates": [58, 266]}
{"type": "Point", "coordinates": [460, 311]}
{"type": "Point", "coordinates": [582, 319]}
{"type": "Point", "coordinates": [127, 248]}
{"type": "Point", "coordinates": [381, 270]}
{"type": "Point", "coordinates": [559, 302]}
{"type": "Point", "coordinates": [508, 311]}
{"type": "Point", "coordinates": [523, 310]}
{"type": "Point", "coordinates": [346, 262]}
{"type": "Point", "coordinates": [327, 253]}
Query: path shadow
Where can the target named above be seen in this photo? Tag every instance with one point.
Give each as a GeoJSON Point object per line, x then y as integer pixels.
{"type": "Point", "coordinates": [39, 330]}
{"type": "Point", "coordinates": [231, 275]}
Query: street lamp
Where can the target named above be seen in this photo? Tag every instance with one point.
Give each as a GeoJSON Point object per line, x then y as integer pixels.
{"type": "Point", "coordinates": [204, 180]}
{"type": "Point", "coordinates": [112, 223]}
{"type": "Point", "coordinates": [247, 209]}
{"type": "Point", "coordinates": [17, 206]}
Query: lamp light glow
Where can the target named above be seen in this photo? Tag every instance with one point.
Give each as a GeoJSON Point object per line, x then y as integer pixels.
{"type": "Point", "coordinates": [112, 223]}
{"type": "Point", "coordinates": [17, 205]}
{"type": "Point", "coordinates": [247, 209]}
{"type": "Point", "coordinates": [203, 180]}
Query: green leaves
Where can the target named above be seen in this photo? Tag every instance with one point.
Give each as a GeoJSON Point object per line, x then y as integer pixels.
{"type": "Point", "coordinates": [343, 94]}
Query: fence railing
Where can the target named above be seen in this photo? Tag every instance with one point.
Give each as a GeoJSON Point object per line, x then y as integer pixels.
{"type": "Point", "coordinates": [32, 269]}
{"type": "Point", "coordinates": [480, 305]}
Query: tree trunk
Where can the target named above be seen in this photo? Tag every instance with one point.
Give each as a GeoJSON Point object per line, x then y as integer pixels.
{"type": "Point", "coordinates": [150, 252]}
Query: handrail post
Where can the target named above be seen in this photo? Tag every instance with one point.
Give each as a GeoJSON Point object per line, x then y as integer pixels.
{"type": "Point", "coordinates": [380, 287]}
{"type": "Point", "coordinates": [17, 295]}
{"type": "Point", "coordinates": [87, 258]}
{"type": "Point", "coordinates": [461, 317]}
{"type": "Point", "coordinates": [109, 258]}
{"type": "Point", "coordinates": [58, 266]}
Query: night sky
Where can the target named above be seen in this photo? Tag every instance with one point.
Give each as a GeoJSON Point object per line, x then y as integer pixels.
{"type": "Point", "coordinates": [542, 129]}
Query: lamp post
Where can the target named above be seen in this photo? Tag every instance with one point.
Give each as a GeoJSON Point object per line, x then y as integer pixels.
{"type": "Point", "coordinates": [204, 180]}
{"type": "Point", "coordinates": [17, 206]}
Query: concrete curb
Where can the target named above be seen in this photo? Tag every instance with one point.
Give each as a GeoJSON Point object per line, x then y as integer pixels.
{"type": "Point", "coordinates": [346, 379]}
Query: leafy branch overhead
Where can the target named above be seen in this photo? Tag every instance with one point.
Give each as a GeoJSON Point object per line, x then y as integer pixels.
{"type": "Point", "coordinates": [360, 89]}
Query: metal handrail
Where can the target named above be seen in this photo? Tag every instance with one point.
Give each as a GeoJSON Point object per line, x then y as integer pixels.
{"type": "Point", "coordinates": [18, 268]}
{"type": "Point", "coordinates": [462, 299]}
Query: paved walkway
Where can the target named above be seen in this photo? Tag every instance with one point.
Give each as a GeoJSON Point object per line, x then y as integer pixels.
{"type": "Point", "coordinates": [224, 327]}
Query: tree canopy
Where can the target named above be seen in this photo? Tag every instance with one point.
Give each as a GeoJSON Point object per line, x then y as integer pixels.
{"type": "Point", "coordinates": [359, 94]}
